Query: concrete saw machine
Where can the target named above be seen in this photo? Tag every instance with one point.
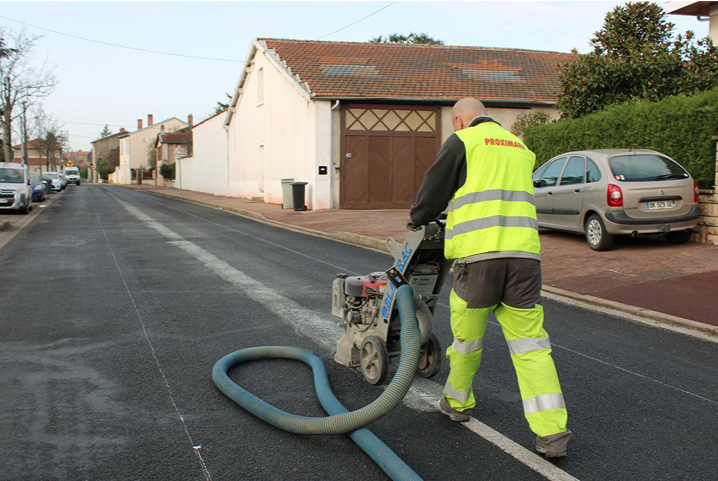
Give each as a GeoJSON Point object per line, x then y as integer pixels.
{"type": "Point", "coordinates": [367, 311]}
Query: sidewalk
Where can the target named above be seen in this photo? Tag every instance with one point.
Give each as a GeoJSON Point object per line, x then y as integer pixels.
{"type": "Point", "coordinates": [669, 284]}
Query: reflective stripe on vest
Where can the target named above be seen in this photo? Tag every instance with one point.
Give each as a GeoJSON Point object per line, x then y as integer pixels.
{"type": "Point", "coordinates": [467, 347]}
{"type": "Point", "coordinates": [494, 210]}
{"type": "Point", "coordinates": [461, 396]}
{"type": "Point", "coordinates": [495, 194]}
{"type": "Point", "coordinates": [529, 344]}
{"type": "Point", "coordinates": [544, 402]}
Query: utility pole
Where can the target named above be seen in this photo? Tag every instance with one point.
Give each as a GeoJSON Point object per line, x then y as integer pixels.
{"type": "Point", "coordinates": [24, 133]}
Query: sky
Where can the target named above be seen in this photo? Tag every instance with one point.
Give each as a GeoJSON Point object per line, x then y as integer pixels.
{"type": "Point", "coordinates": [117, 62]}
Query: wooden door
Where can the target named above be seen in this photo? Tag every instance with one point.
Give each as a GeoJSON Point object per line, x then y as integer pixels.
{"type": "Point", "coordinates": [385, 152]}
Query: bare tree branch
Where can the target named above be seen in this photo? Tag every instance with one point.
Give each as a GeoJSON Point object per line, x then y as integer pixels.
{"type": "Point", "coordinates": [20, 81]}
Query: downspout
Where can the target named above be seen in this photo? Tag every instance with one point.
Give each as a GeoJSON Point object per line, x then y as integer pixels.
{"type": "Point", "coordinates": [332, 170]}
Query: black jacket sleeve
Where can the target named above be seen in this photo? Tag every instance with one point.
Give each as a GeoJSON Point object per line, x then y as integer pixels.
{"type": "Point", "coordinates": [443, 178]}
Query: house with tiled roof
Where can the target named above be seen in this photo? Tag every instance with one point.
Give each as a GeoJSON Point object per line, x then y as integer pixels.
{"type": "Point", "coordinates": [136, 149]}
{"type": "Point", "coordinates": [37, 160]}
{"type": "Point", "coordinates": [106, 149]}
{"type": "Point", "coordinates": [170, 147]}
{"type": "Point", "coordinates": [362, 122]}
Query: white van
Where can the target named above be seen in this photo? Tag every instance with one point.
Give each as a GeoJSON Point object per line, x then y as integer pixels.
{"type": "Point", "coordinates": [72, 174]}
{"type": "Point", "coordinates": [15, 188]}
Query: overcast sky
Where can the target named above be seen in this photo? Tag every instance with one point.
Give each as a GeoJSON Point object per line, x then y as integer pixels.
{"type": "Point", "coordinates": [103, 82]}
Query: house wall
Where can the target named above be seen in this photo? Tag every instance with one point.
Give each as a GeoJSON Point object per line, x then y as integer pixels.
{"type": "Point", "coordinates": [278, 133]}
{"type": "Point", "coordinates": [505, 116]}
{"type": "Point", "coordinates": [207, 169]}
{"type": "Point", "coordinates": [133, 148]}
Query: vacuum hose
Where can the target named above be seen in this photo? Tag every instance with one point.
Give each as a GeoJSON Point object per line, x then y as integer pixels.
{"type": "Point", "coordinates": [340, 420]}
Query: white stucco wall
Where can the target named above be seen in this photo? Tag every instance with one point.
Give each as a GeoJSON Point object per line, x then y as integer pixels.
{"type": "Point", "coordinates": [505, 116]}
{"type": "Point", "coordinates": [206, 171]}
{"type": "Point", "coordinates": [281, 134]}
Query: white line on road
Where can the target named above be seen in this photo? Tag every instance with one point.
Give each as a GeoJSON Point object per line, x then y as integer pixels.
{"type": "Point", "coordinates": [423, 393]}
{"type": "Point", "coordinates": [195, 448]}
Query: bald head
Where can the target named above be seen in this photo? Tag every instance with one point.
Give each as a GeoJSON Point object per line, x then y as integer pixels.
{"type": "Point", "coordinates": [466, 110]}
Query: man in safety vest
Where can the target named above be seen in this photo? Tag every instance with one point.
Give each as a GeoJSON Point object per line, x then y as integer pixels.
{"type": "Point", "coordinates": [483, 173]}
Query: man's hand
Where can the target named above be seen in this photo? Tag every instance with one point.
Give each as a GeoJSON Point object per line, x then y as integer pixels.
{"type": "Point", "coordinates": [411, 226]}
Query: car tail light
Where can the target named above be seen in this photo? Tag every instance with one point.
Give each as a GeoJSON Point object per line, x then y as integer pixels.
{"type": "Point", "coordinates": [614, 196]}
{"type": "Point", "coordinates": [696, 191]}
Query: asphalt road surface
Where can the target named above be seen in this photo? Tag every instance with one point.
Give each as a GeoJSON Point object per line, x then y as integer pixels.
{"type": "Point", "coordinates": [115, 305]}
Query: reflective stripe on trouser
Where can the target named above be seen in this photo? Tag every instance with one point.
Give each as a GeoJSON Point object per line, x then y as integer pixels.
{"type": "Point", "coordinates": [528, 342]}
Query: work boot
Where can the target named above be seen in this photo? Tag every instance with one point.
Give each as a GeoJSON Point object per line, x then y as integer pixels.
{"type": "Point", "coordinates": [553, 445]}
{"type": "Point", "coordinates": [455, 415]}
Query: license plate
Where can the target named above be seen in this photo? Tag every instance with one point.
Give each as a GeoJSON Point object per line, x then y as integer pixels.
{"type": "Point", "coordinates": [661, 204]}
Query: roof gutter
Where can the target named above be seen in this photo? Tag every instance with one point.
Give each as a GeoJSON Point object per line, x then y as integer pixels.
{"type": "Point", "coordinates": [436, 100]}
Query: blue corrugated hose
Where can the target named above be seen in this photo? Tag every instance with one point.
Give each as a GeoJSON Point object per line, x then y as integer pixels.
{"type": "Point", "coordinates": [340, 420]}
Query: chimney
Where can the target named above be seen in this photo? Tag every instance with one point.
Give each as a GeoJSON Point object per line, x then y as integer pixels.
{"type": "Point", "coordinates": [149, 120]}
{"type": "Point", "coordinates": [139, 124]}
{"type": "Point", "coordinates": [190, 119]}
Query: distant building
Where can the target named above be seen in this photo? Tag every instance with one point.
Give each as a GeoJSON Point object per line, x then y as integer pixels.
{"type": "Point", "coordinates": [37, 157]}
{"type": "Point", "coordinates": [79, 158]}
{"type": "Point", "coordinates": [136, 147]}
{"type": "Point", "coordinates": [107, 149]}
{"type": "Point", "coordinates": [172, 146]}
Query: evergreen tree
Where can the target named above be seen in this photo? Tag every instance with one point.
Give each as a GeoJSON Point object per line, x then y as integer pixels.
{"type": "Point", "coordinates": [635, 57]}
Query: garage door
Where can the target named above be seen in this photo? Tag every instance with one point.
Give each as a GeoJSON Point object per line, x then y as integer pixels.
{"type": "Point", "coordinates": [385, 152]}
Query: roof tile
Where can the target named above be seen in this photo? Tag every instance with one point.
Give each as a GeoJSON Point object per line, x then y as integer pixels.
{"type": "Point", "coordinates": [384, 70]}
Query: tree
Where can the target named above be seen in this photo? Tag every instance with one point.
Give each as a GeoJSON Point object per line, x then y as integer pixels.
{"type": "Point", "coordinates": [151, 156]}
{"type": "Point", "coordinates": [635, 57]}
{"type": "Point", "coordinates": [411, 39]}
{"type": "Point", "coordinates": [19, 81]}
{"type": "Point", "coordinates": [51, 146]}
{"type": "Point", "coordinates": [221, 106]}
{"type": "Point", "coordinates": [105, 132]}
{"type": "Point", "coordinates": [529, 119]}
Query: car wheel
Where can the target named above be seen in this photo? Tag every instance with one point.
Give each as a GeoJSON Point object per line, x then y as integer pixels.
{"type": "Point", "coordinates": [679, 237]}
{"type": "Point", "coordinates": [596, 235]}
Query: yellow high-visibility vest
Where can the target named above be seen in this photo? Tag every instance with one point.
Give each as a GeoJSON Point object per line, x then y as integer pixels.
{"type": "Point", "coordinates": [494, 210]}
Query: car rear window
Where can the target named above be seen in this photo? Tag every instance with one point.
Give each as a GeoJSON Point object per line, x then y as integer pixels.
{"type": "Point", "coordinates": [645, 167]}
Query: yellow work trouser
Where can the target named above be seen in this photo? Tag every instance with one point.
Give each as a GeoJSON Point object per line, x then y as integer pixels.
{"type": "Point", "coordinates": [543, 402]}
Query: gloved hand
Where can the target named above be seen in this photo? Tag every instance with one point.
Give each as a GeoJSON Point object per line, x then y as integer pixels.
{"type": "Point", "coordinates": [411, 226]}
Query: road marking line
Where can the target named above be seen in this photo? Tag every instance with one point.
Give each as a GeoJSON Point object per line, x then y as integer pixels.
{"type": "Point", "coordinates": [195, 448]}
{"type": "Point", "coordinates": [422, 395]}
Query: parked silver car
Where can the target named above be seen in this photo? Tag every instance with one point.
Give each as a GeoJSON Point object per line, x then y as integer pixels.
{"type": "Point", "coordinates": [604, 193]}
{"type": "Point", "coordinates": [15, 187]}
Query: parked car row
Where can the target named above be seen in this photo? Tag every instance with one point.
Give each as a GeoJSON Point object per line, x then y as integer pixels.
{"type": "Point", "coordinates": [605, 193]}
{"type": "Point", "coordinates": [19, 188]}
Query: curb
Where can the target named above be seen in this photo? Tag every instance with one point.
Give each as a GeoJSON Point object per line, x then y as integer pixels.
{"type": "Point", "coordinates": [658, 319]}
{"type": "Point", "coordinates": [348, 237]}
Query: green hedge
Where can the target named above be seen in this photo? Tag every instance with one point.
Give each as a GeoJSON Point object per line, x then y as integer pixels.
{"type": "Point", "coordinates": [681, 127]}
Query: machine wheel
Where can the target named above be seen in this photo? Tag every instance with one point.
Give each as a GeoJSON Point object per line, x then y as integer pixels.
{"type": "Point", "coordinates": [596, 235]}
{"type": "Point", "coordinates": [430, 359]}
{"type": "Point", "coordinates": [374, 359]}
{"type": "Point", "coordinates": [679, 237]}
